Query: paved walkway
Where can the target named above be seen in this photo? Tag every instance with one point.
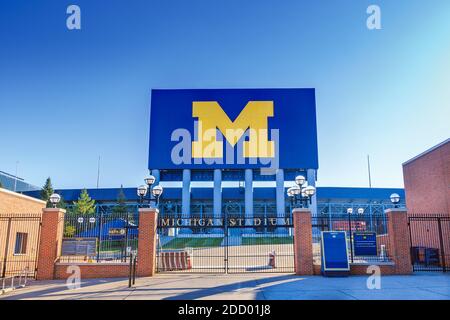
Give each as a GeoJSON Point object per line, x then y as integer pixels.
{"type": "Point", "coordinates": [429, 286]}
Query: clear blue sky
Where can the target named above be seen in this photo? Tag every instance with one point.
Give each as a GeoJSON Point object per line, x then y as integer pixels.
{"type": "Point", "coordinates": [67, 97]}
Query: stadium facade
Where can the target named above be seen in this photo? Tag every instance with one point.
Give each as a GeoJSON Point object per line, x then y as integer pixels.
{"type": "Point", "coordinates": [330, 200]}
{"type": "Point", "coordinates": [14, 183]}
{"type": "Point", "coordinates": [242, 167]}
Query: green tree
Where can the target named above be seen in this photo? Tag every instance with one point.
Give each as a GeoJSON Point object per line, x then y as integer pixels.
{"type": "Point", "coordinates": [120, 206]}
{"type": "Point", "coordinates": [47, 191]}
{"type": "Point", "coordinates": [1, 184]}
{"type": "Point", "coordinates": [62, 204]}
{"type": "Point", "coordinates": [69, 230]}
{"type": "Point", "coordinates": [84, 204]}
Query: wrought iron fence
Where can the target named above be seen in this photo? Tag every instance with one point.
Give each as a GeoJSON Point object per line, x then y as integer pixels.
{"type": "Point", "coordinates": [367, 236]}
{"type": "Point", "coordinates": [99, 237]}
{"type": "Point", "coordinates": [229, 244]}
{"type": "Point", "coordinates": [19, 244]}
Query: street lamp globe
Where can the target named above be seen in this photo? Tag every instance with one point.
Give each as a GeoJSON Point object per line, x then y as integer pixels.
{"type": "Point", "coordinates": [55, 199]}
{"type": "Point", "coordinates": [360, 210]}
{"type": "Point", "coordinates": [300, 180]}
{"type": "Point", "coordinates": [395, 198]}
{"type": "Point", "coordinates": [157, 191]}
{"type": "Point", "coordinates": [310, 191]}
{"type": "Point", "coordinates": [296, 190]}
{"type": "Point", "coordinates": [289, 192]}
{"type": "Point", "coordinates": [150, 180]}
{"type": "Point", "coordinates": [349, 210]}
{"type": "Point", "coordinates": [142, 190]}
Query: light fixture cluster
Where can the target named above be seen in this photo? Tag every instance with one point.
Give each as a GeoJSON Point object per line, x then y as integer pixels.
{"type": "Point", "coordinates": [155, 191]}
{"type": "Point", "coordinates": [299, 195]}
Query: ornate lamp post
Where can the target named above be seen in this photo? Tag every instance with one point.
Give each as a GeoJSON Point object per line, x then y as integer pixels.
{"type": "Point", "coordinates": [301, 197]}
{"type": "Point", "coordinates": [55, 199]}
{"type": "Point", "coordinates": [349, 212]}
{"type": "Point", "coordinates": [157, 192]}
{"type": "Point", "coordinates": [154, 192]}
{"type": "Point", "coordinates": [141, 192]}
{"type": "Point", "coordinates": [149, 181]}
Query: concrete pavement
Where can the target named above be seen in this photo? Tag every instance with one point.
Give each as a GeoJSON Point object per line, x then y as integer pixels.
{"type": "Point", "coordinates": [423, 286]}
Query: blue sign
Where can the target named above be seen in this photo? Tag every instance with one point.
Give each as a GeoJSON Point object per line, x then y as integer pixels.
{"type": "Point", "coordinates": [334, 251]}
{"type": "Point", "coordinates": [233, 128]}
{"type": "Point", "coordinates": [365, 243]}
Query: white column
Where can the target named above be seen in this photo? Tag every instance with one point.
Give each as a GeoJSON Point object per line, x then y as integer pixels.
{"type": "Point", "coordinates": [248, 198]}
{"type": "Point", "coordinates": [311, 178]}
{"type": "Point", "coordinates": [217, 197]}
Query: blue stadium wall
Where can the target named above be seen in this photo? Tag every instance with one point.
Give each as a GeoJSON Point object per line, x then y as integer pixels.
{"type": "Point", "coordinates": [330, 200]}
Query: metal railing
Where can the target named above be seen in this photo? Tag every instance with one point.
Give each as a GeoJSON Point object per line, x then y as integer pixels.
{"type": "Point", "coordinates": [13, 282]}
{"type": "Point", "coordinates": [19, 243]}
{"type": "Point", "coordinates": [227, 244]}
{"type": "Point", "coordinates": [430, 241]}
{"type": "Point", "coordinates": [99, 237]}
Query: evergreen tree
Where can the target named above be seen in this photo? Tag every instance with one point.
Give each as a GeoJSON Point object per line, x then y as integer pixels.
{"type": "Point", "coordinates": [84, 204]}
{"type": "Point", "coordinates": [62, 204]}
{"type": "Point", "coordinates": [1, 184]}
{"type": "Point", "coordinates": [120, 206]}
{"type": "Point", "coordinates": [47, 191]}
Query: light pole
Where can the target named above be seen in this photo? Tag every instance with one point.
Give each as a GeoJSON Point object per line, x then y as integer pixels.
{"type": "Point", "coordinates": [154, 193]}
{"type": "Point", "coordinates": [349, 212]}
{"type": "Point", "coordinates": [157, 192]}
{"type": "Point", "coordinates": [395, 199]}
{"type": "Point", "coordinates": [149, 181]}
{"type": "Point", "coordinates": [55, 199]}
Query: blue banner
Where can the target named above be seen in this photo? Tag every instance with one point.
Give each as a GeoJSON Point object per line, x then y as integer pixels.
{"type": "Point", "coordinates": [334, 251]}
{"type": "Point", "coordinates": [365, 243]}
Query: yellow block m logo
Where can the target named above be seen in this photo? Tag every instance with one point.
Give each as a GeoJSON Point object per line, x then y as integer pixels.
{"type": "Point", "coordinates": [252, 118]}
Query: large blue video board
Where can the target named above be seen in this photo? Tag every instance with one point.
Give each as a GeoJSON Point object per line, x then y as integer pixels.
{"type": "Point", "coordinates": [233, 129]}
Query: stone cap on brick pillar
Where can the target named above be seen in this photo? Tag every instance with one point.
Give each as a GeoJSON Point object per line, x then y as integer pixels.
{"type": "Point", "coordinates": [395, 210]}
{"type": "Point", "coordinates": [49, 210]}
{"type": "Point", "coordinates": [301, 210]}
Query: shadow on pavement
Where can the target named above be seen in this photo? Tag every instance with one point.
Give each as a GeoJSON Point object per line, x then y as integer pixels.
{"type": "Point", "coordinates": [249, 284]}
{"type": "Point", "coordinates": [59, 290]}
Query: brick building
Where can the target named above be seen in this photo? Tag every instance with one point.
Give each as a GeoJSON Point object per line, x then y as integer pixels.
{"type": "Point", "coordinates": [20, 218]}
{"type": "Point", "coordinates": [427, 181]}
{"type": "Point", "coordinates": [427, 191]}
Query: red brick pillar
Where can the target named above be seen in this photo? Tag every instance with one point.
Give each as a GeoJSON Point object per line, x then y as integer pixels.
{"type": "Point", "coordinates": [399, 241]}
{"type": "Point", "coordinates": [50, 242]}
{"type": "Point", "coordinates": [303, 253]}
{"type": "Point", "coordinates": [147, 242]}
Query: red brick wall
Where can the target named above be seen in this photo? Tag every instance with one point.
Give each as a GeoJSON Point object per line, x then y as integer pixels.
{"type": "Point", "coordinates": [147, 242]}
{"type": "Point", "coordinates": [427, 188]}
{"type": "Point", "coordinates": [400, 245]}
{"type": "Point", "coordinates": [97, 270]}
{"type": "Point", "coordinates": [303, 248]}
{"type": "Point", "coordinates": [50, 242]}
{"type": "Point", "coordinates": [427, 182]}
{"type": "Point", "coordinates": [362, 270]}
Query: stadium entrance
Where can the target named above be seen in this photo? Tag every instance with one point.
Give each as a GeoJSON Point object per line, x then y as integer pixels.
{"type": "Point", "coordinates": [225, 245]}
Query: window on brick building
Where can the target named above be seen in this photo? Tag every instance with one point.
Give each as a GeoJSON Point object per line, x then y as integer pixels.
{"type": "Point", "coordinates": [21, 243]}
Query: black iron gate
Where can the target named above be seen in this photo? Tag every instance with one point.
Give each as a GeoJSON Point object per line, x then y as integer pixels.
{"type": "Point", "coordinates": [19, 244]}
{"type": "Point", "coordinates": [430, 242]}
{"type": "Point", "coordinates": [225, 245]}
